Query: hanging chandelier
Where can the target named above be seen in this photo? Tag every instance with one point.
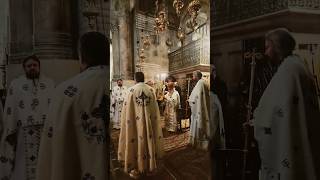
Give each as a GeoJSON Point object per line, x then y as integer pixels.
{"type": "Point", "coordinates": [145, 44]}
{"type": "Point", "coordinates": [161, 21]}
{"type": "Point", "coordinates": [141, 60]}
{"type": "Point", "coordinates": [146, 41]}
{"type": "Point", "coordinates": [193, 10]}
{"type": "Point", "coordinates": [181, 35]}
{"type": "Point", "coordinates": [142, 56]}
{"type": "Point", "coordinates": [178, 5]}
{"type": "Point", "coordinates": [168, 42]}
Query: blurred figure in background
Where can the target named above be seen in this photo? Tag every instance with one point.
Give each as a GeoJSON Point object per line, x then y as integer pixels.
{"type": "Point", "coordinates": [75, 143]}
{"type": "Point", "coordinates": [286, 121]}
{"type": "Point", "coordinates": [117, 99]}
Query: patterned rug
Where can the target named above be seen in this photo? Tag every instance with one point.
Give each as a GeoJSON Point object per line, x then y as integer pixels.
{"type": "Point", "coordinates": [188, 163]}
{"type": "Point", "coordinates": [171, 141]}
{"type": "Point", "coordinates": [176, 141]}
{"type": "Point", "coordinates": [180, 161]}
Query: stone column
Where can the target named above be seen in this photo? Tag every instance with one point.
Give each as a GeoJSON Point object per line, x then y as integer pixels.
{"type": "Point", "coordinates": [52, 29]}
{"type": "Point", "coordinates": [43, 27]}
{"type": "Point", "coordinates": [100, 22]}
{"type": "Point", "coordinates": [21, 30]}
{"type": "Point", "coordinates": [116, 69]}
{"type": "Point", "coordinates": [122, 41]}
{"type": "Point", "coordinates": [126, 46]}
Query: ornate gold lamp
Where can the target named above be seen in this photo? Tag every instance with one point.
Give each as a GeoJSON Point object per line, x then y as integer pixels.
{"type": "Point", "coordinates": [146, 41]}
{"type": "Point", "coordinates": [193, 10]}
{"type": "Point", "coordinates": [145, 44]}
{"type": "Point", "coordinates": [161, 22]}
{"type": "Point", "coordinates": [181, 35]}
{"type": "Point", "coordinates": [178, 5]}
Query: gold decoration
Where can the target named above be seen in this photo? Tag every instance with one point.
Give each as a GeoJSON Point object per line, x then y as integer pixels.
{"type": "Point", "coordinates": [178, 5]}
{"type": "Point", "coordinates": [193, 10]}
{"type": "Point", "coordinates": [142, 56]}
{"type": "Point", "coordinates": [168, 42]}
{"type": "Point", "coordinates": [146, 41]}
{"type": "Point", "coordinates": [161, 22]}
{"type": "Point", "coordinates": [181, 35]}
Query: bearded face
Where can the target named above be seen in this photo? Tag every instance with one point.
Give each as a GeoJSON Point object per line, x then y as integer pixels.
{"type": "Point", "coordinates": [271, 53]}
{"type": "Point", "coordinates": [32, 69]}
{"type": "Point", "coordinates": [119, 82]}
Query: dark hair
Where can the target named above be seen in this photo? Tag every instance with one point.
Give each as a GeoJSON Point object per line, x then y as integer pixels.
{"type": "Point", "coordinates": [170, 78]}
{"type": "Point", "coordinates": [139, 77]}
{"type": "Point", "coordinates": [119, 80]}
{"type": "Point", "coordinates": [198, 74]}
{"type": "Point", "coordinates": [31, 57]}
{"type": "Point", "coordinates": [282, 40]}
{"type": "Point", "coordinates": [94, 49]}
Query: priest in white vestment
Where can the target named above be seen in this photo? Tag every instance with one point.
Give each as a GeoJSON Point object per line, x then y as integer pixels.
{"type": "Point", "coordinates": [172, 104]}
{"type": "Point", "coordinates": [117, 99]}
{"type": "Point", "coordinates": [217, 136]}
{"type": "Point", "coordinates": [140, 141]}
{"type": "Point", "coordinates": [25, 113]}
{"type": "Point", "coordinates": [75, 140]}
{"type": "Point", "coordinates": [287, 119]}
{"type": "Point", "coordinates": [199, 102]}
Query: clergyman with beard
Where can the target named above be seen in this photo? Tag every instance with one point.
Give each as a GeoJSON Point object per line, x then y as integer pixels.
{"type": "Point", "coordinates": [25, 112]}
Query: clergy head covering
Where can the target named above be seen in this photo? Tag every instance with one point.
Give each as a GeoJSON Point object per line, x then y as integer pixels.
{"type": "Point", "coordinates": [139, 77]}
{"type": "Point", "coordinates": [282, 40]}
{"type": "Point", "coordinates": [94, 49]}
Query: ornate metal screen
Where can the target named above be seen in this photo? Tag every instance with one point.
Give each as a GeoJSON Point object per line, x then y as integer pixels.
{"type": "Point", "coordinates": [228, 11]}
